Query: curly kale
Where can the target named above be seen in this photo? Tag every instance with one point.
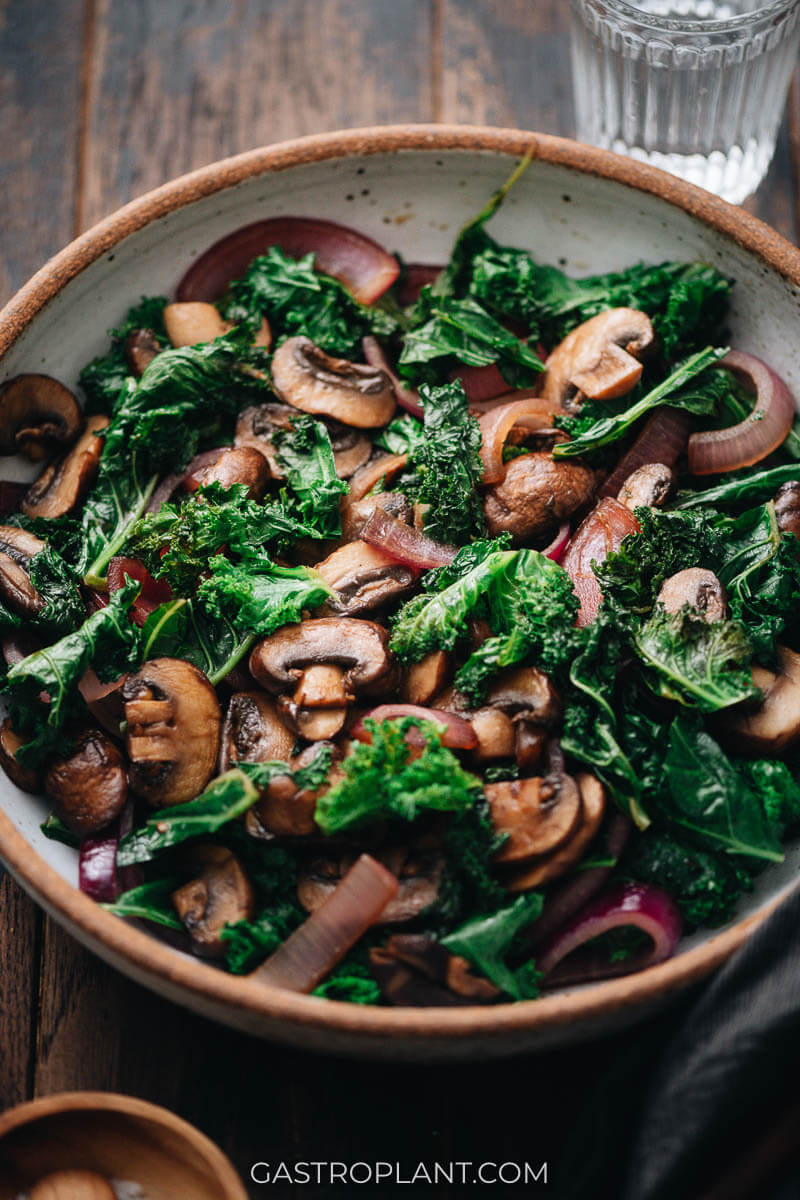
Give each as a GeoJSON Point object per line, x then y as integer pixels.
{"type": "Point", "coordinates": [706, 886]}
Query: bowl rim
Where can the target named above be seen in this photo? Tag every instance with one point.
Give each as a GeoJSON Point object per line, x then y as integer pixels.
{"type": "Point", "coordinates": [59, 1103]}
{"type": "Point", "coordinates": [154, 960]}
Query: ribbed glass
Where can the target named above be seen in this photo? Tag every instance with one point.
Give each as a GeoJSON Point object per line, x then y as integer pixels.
{"type": "Point", "coordinates": [696, 87]}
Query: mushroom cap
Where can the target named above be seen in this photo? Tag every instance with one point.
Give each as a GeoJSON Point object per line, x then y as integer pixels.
{"type": "Point", "coordinates": [37, 415]}
{"type": "Point", "coordinates": [16, 589]}
{"type": "Point", "coordinates": [599, 359]}
{"type": "Point", "coordinates": [221, 896]}
{"type": "Point", "coordinates": [26, 778]}
{"type": "Point", "coordinates": [558, 862]}
{"type": "Point", "coordinates": [360, 647]}
{"type": "Point", "coordinates": [253, 731]}
{"type": "Point", "coordinates": [775, 724]}
{"type": "Point", "coordinates": [647, 487]}
{"type": "Point", "coordinates": [363, 577]}
{"type": "Point", "coordinates": [416, 969]}
{"type": "Point", "coordinates": [64, 482]}
{"type": "Point", "coordinates": [537, 495]}
{"type": "Point", "coordinates": [309, 379]}
{"type": "Point", "coordinates": [141, 347]}
{"type": "Point", "coordinates": [173, 730]}
{"type": "Point", "coordinates": [88, 787]}
{"type": "Point", "coordinates": [698, 588]}
{"type": "Point", "coordinates": [426, 678]}
{"type": "Point", "coordinates": [537, 814]}
{"type": "Point", "coordinates": [525, 693]}
{"type": "Point", "coordinates": [787, 507]}
{"type": "Point", "coordinates": [238, 464]}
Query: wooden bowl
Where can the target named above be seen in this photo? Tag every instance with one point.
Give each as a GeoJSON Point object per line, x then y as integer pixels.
{"type": "Point", "coordinates": [411, 188]}
{"type": "Point", "coordinates": [118, 1137]}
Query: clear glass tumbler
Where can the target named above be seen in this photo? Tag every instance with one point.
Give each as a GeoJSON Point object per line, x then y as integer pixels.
{"type": "Point", "coordinates": [696, 87]}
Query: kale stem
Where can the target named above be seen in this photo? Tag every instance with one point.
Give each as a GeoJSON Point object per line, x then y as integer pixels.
{"type": "Point", "coordinates": [94, 577]}
{"type": "Point", "coordinates": [230, 662]}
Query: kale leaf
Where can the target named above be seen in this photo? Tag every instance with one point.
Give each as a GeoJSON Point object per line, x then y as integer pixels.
{"type": "Point", "coordinates": [699, 663]}
{"type": "Point", "coordinates": [306, 455]}
{"type": "Point", "coordinates": [486, 942]}
{"type": "Point", "coordinates": [403, 435]}
{"type": "Point", "coordinates": [706, 886]}
{"type": "Point", "coordinates": [149, 902]}
{"type": "Point", "coordinates": [739, 486]}
{"type": "Point", "coordinates": [259, 596]}
{"type": "Point", "coordinates": [448, 469]}
{"type": "Point", "coordinates": [104, 378]}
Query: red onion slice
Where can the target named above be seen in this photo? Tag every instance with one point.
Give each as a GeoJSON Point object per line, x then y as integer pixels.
{"type": "Point", "coordinates": [558, 547]}
{"type": "Point", "coordinates": [154, 592]}
{"type": "Point", "coordinates": [97, 861]}
{"type": "Point", "coordinates": [602, 531]}
{"type": "Point", "coordinates": [415, 277]}
{"type": "Point", "coordinates": [662, 440]}
{"type": "Point", "coordinates": [458, 734]}
{"type": "Point", "coordinates": [404, 543]}
{"type": "Point", "coordinates": [481, 383]}
{"type": "Point", "coordinates": [625, 904]}
{"type": "Point", "coordinates": [534, 413]}
{"type": "Point", "coordinates": [407, 398]}
{"type": "Point", "coordinates": [363, 266]}
{"type": "Point", "coordinates": [761, 432]}
{"type": "Point", "coordinates": [322, 941]}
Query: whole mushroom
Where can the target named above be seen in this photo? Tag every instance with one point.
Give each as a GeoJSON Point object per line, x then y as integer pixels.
{"type": "Point", "coordinates": [88, 787]}
{"type": "Point", "coordinates": [537, 495]}
{"type": "Point", "coordinates": [698, 588]}
{"type": "Point", "coordinates": [599, 359]}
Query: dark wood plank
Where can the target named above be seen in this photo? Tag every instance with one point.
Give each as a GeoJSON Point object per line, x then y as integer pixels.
{"type": "Point", "coordinates": [777, 201]}
{"type": "Point", "coordinates": [507, 64]}
{"type": "Point", "coordinates": [176, 84]}
{"type": "Point", "coordinates": [40, 88]}
{"type": "Point", "coordinates": [20, 924]}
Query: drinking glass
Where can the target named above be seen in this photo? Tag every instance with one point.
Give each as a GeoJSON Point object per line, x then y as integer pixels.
{"type": "Point", "coordinates": [696, 87]}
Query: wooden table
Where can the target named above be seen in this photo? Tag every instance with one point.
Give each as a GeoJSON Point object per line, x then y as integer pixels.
{"type": "Point", "coordinates": [100, 101]}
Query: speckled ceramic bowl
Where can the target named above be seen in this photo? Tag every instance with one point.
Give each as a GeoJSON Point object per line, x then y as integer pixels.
{"type": "Point", "coordinates": [410, 188]}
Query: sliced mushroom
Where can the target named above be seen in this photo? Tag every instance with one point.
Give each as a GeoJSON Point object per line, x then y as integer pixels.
{"type": "Point", "coordinates": [37, 416]}
{"type": "Point", "coordinates": [355, 514]}
{"type": "Point", "coordinates": [88, 787]}
{"type": "Point", "coordinates": [24, 777]}
{"type": "Point", "coordinates": [141, 347]}
{"type": "Point", "coordinates": [599, 359]}
{"type": "Point", "coordinates": [425, 679]}
{"type": "Point", "coordinates": [17, 548]}
{"type": "Point", "coordinates": [648, 487]}
{"type": "Point", "coordinates": [64, 483]}
{"type": "Point", "coordinates": [173, 729]}
{"type": "Point", "coordinates": [415, 969]}
{"type": "Point", "coordinates": [495, 733]}
{"type": "Point", "coordinates": [221, 896]}
{"type": "Point", "coordinates": [104, 700]}
{"type": "Point", "coordinates": [355, 653]}
{"type": "Point", "coordinates": [537, 495]}
{"type": "Point", "coordinates": [253, 732]}
{"type": "Point", "coordinates": [787, 507]}
{"type": "Point", "coordinates": [240, 464]}
{"type": "Point", "coordinates": [309, 379]}
{"type": "Point", "coordinates": [286, 810]}
{"type": "Point", "coordinates": [529, 744]}
{"type": "Point", "coordinates": [775, 724]}
{"type": "Point", "coordinates": [418, 869]}
{"type": "Point", "coordinates": [364, 578]}
{"type": "Point", "coordinates": [351, 449]}
{"type": "Point", "coordinates": [526, 694]}
{"type": "Point", "coordinates": [559, 861]}
{"type": "Point", "coordinates": [698, 588]}
{"type": "Point", "coordinates": [539, 814]}
{"type": "Point", "coordinates": [191, 322]}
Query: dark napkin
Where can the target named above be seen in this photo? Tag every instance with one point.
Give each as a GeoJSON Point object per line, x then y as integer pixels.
{"type": "Point", "coordinates": [707, 1094]}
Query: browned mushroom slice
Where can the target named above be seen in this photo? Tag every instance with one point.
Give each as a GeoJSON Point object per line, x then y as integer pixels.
{"type": "Point", "coordinates": [537, 495]}
{"type": "Point", "coordinates": [425, 679]}
{"type": "Point", "coordinates": [309, 379]}
{"type": "Point", "coordinates": [648, 487]}
{"type": "Point", "coordinates": [285, 810]}
{"type": "Point", "coordinates": [240, 464]}
{"type": "Point", "coordinates": [256, 427]}
{"type": "Point", "coordinates": [526, 694]}
{"type": "Point", "coordinates": [416, 969]}
{"type": "Point", "coordinates": [355, 514]}
{"type": "Point", "coordinates": [351, 449]}
{"type": "Point", "coordinates": [775, 724]}
{"type": "Point", "coordinates": [173, 728]}
{"type": "Point", "coordinates": [141, 347]}
{"type": "Point", "coordinates": [88, 787]}
{"type": "Point", "coordinates": [538, 814]}
{"type": "Point", "coordinates": [37, 415]}
{"type": "Point", "coordinates": [419, 872]}
{"type": "Point", "coordinates": [64, 483]}
{"type": "Point", "coordinates": [221, 896]}
{"type": "Point", "coordinates": [698, 588]}
{"type": "Point", "coordinates": [553, 865]}
{"type": "Point", "coordinates": [787, 507]}
{"type": "Point", "coordinates": [529, 743]}
{"type": "Point", "coordinates": [17, 548]}
{"type": "Point", "coordinates": [192, 322]}
{"type": "Point", "coordinates": [495, 733]}
{"type": "Point", "coordinates": [363, 578]}
{"type": "Point", "coordinates": [253, 732]}
{"type": "Point", "coordinates": [600, 358]}
{"type": "Point", "coordinates": [24, 777]}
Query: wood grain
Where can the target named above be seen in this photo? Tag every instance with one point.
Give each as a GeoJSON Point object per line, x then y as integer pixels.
{"type": "Point", "coordinates": [20, 924]}
{"type": "Point", "coordinates": [174, 85]}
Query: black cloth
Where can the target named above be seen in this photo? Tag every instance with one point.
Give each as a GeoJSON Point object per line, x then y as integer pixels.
{"type": "Point", "coordinates": [690, 1095]}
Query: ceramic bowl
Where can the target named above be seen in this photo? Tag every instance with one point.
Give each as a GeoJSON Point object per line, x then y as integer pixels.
{"type": "Point", "coordinates": [117, 1137]}
{"type": "Point", "coordinates": [411, 188]}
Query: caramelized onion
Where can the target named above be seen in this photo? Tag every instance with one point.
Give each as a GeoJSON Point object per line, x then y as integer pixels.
{"type": "Point", "coordinates": [404, 543]}
{"type": "Point", "coordinates": [481, 383]}
{"type": "Point", "coordinates": [597, 535]}
{"type": "Point", "coordinates": [154, 592]}
{"type": "Point", "coordinates": [533, 413]}
{"type": "Point", "coordinates": [407, 398]}
{"type": "Point", "coordinates": [626, 904]}
{"type": "Point", "coordinates": [662, 440]}
{"type": "Point", "coordinates": [363, 266]}
{"type": "Point", "coordinates": [414, 278]}
{"type": "Point", "coordinates": [98, 876]}
{"type": "Point", "coordinates": [762, 430]}
{"type": "Point", "coordinates": [458, 734]}
{"type": "Point", "coordinates": [558, 547]}
{"type": "Point", "coordinates": [324, 938]}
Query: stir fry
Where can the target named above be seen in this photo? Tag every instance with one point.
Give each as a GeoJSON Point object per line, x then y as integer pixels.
{"type": "Point", "coordinates": [409, 634]}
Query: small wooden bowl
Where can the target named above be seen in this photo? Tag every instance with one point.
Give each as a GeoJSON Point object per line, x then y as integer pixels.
{"type": "Point", "coordinates": [118, 1137]}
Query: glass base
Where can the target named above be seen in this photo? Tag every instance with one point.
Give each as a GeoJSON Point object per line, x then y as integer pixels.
{"type": "Point", "coordinates": [733, 176]}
